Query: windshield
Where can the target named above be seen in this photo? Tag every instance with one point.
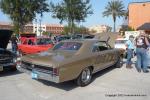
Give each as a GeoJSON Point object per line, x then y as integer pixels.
{"type": "Point", "coordinates": [44, 41]}
{"type": "Point", "coordinates": [68, 46]}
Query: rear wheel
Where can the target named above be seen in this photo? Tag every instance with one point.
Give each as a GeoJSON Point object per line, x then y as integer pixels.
{"type": "Point", "coordinates": [85, 77]}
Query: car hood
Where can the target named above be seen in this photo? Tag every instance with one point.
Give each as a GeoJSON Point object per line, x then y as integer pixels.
{"type": "Point", "coordinates": [108, 37]}
{"type": "Point", "coordinates": [4, 38]}
{"type": "Point", "coordinates": [49, 58]}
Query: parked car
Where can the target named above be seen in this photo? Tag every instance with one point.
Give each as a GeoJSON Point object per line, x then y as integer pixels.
{"type": "Point", "coordinates": [71, 60]}
{"type": "Point", "coordinates": [120, 43]}
{"type": "Point", "coordinates": [74, 36]}
{"type": "Point", "coordinates": [7, 58]}
{"type": "Point", "coordinates": [82, 36]}
{"type": "Point", "coordinates": [34, 45]}
{"type": "Point", "coordinates": [61, 38]}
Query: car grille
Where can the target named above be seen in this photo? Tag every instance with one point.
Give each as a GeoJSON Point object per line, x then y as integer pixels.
{"type": "Point", "coordinates": [39, 68]}
{"type": "Point", "coordinates": [5, 60]}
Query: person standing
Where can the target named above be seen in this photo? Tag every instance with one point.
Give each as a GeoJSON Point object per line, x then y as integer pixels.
{"type": "Point", "coordinates": [14, 43]}
{"type": "Point", "coordinates": [141, 43]}
{"type": "Point", "coordinates": [130, 49]}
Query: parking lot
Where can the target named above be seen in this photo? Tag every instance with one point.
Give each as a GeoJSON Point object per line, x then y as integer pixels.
{"type": "Point", "coordinates": [109, 84]}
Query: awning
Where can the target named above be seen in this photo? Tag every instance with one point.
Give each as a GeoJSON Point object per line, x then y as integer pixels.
{"type": "Point", "coordinates": [145, 27]}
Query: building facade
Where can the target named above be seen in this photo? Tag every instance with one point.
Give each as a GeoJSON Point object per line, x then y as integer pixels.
{"type": "Point", "coordinates": [36, 28]}
{"type": "Point", "coordinates": [54, 28]}
{"type": "Point", "coordinates": [139, 14]}
{"type": "Point", "coordinates": [100, 28]}
{"type": "Point", "coordinates": [28, 28]}
{"type": "Point", "coordinates": [5, 25]}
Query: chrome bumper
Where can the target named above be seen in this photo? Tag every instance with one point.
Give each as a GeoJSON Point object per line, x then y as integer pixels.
{"type": "Point", "coordinates": [8, 64]}
{"type": "Point", "coordinates": [40, 75]}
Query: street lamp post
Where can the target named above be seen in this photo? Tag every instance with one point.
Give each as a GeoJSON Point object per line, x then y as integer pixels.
{"type": "Point", "coordinates": [36, 26]}
{"type": "Point", "coordinates": [40, 26]}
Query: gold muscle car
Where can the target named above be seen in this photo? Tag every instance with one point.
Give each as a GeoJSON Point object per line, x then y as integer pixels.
{"type": "Point", "coordinates": [71, 60]}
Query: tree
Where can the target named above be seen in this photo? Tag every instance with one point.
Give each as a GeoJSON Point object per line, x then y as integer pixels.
{"type": "Point", "coordinates": [126, 28]}
{"type": "Point", "coordinates": [114, 8]}
{"type": "Point", "coordinates": [71, 11]}
{"type": "Point", "coordinates": [77, 30]}
{"type": "Point", "coordinates": [46, 33]}
{"type": "Point", "coordinates": [22, 12]}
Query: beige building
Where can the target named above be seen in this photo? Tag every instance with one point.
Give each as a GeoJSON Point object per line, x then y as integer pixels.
{"type": "Point", "coordinates": [100, 29]}
{"type": "Point", "coordinates": [6, 25]}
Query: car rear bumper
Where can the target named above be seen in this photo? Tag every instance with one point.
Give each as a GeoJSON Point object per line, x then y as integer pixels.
{"type": "Point", "coordinates": [8, 64]}
{"type": "Point", "coordinates": [40, 75]}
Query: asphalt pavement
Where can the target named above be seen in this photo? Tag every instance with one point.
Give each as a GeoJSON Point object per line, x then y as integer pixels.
{"type": "Point", "coordinates": [109, 84]}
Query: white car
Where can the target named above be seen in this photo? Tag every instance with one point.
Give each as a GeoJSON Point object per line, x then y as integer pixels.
{"type": "Point", "coordinates": [120, 43]}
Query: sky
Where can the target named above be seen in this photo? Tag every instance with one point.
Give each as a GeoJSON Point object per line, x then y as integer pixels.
{"type": "Point", "coordinates": [98, 6]}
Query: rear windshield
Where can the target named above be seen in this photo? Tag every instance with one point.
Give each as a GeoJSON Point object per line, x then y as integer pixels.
{"type": "Point", "coordinates": [120, 41]}
{"type": "Point", "coordinates": [68, 46]}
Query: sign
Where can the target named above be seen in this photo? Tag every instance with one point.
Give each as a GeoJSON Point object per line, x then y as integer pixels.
{"type": "Point", "coordinates": [134, 33]}
{"type": "Point", "coordinates": [34, 75]}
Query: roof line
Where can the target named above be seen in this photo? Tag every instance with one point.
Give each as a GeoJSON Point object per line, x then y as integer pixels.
{"type": "Point", "coordinates": [140, 2]}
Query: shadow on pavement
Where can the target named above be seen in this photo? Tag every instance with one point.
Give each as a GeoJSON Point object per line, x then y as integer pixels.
{"type": "Point", "coordinates": [102, 72]}
{"type": "Point", "coordinates": [70, 85]}
{"type": "Point", "coordinates": [9, 73]}
{"type": "Point", "coordinates": [67, 86]}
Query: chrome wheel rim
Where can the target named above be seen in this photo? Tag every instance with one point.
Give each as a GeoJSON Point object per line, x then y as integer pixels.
{"type": "Point", "coordinates": [86, 75]}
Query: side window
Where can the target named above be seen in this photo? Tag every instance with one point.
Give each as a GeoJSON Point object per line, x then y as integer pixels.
{"type": "Point", "coordinates": [30, 42]}
{"type": "Point", "coordinates": [95, 48]}
{"type": "Point", "coordinates": [25, 42]}
{"type": "Point", "coordinates": [99, 46]}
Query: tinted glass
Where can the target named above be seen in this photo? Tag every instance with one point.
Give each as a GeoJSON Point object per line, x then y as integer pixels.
{"type": "Point", "coordinates": [44, 41]}
{"type": "Point", "coordinates": [68, 46]}
{"type": "Point", "coordinates": [100, 46]}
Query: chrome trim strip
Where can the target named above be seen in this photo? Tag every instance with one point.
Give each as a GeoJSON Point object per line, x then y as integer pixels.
{"type": "Point", "coordinates": [44, 76]}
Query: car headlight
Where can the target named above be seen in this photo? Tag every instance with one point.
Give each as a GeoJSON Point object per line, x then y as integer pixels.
{"type": "Point", "coordinates": [18, 59]}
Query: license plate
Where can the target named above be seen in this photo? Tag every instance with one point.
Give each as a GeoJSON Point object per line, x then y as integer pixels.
{"type": "Point", "coordinates": [34, 75]}
{"type": "Point", "coordinates": [1, 68]}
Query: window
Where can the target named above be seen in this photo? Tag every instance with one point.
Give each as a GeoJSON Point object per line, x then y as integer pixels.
{"type": "Point", "coordinates": [30, 42]}
{"type": "Point", "coordinates": [68, 46]}
{"type": "Point", "coordinates": [100, 46]}
{"type": "Point", "coordinates": [44, 41]}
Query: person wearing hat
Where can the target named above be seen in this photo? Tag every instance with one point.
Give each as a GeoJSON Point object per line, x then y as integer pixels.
{"type": "Point", "coordinates": [14, 43]}
{"type": "Point", "coordinates": [141, 43]}
{"type": "Point", "coordinates": [130, 48]}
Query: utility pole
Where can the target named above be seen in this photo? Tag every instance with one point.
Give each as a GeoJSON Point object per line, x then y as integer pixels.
{"type": "Point", "coordinates": [36, 26]}
{"type": "Point", "coordinates": [40, 27]}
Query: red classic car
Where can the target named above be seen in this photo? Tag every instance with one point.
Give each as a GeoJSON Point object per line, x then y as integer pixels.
{"type": "Point", "coordinates": [34, 45]}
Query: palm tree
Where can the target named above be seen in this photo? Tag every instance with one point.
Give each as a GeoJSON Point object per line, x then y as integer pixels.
{"type": "Point", "coordinates": [114, 8]}
{"type": "Point", "coordinates": [71, 11]}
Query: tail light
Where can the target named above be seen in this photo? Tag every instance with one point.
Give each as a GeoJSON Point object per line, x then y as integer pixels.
{"type": "Point", "coordinates": [55, 71]}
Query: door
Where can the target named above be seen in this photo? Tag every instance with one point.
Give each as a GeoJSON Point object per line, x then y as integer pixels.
{"type": "Point", "coordinates": [100, 51]}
